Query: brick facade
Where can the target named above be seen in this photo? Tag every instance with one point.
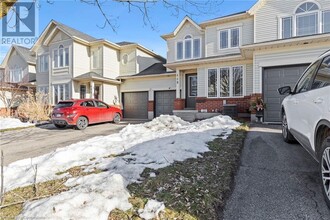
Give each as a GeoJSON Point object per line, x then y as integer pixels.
{"type": "Point", "coordinates": [151, 105]}
{"type": "Point", "coordinates": [213, 105]}
{"type": "Point", "coordinates": [179, 104]}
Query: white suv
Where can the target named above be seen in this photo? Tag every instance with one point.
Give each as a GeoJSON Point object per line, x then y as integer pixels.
{"type": "Point", "coordinates": [306, 115]}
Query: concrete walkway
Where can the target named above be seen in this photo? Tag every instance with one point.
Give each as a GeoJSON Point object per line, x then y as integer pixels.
{"type": "Point", "coordinates": [275, 180]}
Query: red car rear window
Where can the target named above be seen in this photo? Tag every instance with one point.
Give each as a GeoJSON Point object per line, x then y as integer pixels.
{"type": "Point", "coordinates": [64, 104]}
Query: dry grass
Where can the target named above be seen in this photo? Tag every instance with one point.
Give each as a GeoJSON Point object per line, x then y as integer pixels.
{"type": "Point", "coordinates": [192, 189]}
{"type": "Point", "coordinates": [195, 188]}
{"type": "Point", "coordinates": [28, 193]}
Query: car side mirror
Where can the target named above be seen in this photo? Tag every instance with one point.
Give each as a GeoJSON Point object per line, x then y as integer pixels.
{"type": "Point", "coordinates": [285, 90]}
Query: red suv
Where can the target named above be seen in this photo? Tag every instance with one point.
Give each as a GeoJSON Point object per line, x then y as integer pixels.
{"type": "Point", "coordinates": [82, 112]}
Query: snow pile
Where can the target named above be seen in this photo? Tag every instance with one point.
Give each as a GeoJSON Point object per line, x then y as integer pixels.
{"type": "Point", "coordinates": [6, 123]}
{"type": "Point", "coordinates": [154, 144]}
{"type": "Point", "coordinates": [151, 209]}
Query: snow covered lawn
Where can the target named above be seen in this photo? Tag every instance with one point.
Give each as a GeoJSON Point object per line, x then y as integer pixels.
{"type": "Point", "coordinates": [8, 123]}
{"type": "Point", "coordinates": [121, 157]}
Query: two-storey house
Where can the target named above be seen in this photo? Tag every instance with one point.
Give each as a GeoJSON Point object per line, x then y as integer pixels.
{"type": "Point", "coordinates": [72, 64]}
{"type": "Point", "coordinates": [236, 58]}
{"type": "Point", "coordinates": [18, 74]}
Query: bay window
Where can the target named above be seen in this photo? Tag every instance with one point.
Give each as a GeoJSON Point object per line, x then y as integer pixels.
{"type": "Point", "coordinates": [226, 82]}
{"type": "Point", "coordinates": [16, 74]}
{"type": "Point", "coordinates": [286, 27]}
{"type": "Point", "coordinates": [43, 63]}
{"type": "Point", "coordinates": [326, 21]}
{"type": "Point", "coordinates": [61, 57]}
{"type": "Point", "coordinates": [188, 48]}
{"type": "Point", "coordinates": [61, 92]}
{"type": "Point", "coordinates": [229, 38]}
{"type": "Point", "coordinates": [212, 83]}
{"type": "Point", "coordinates": [96, 58]}
{"type": "Point", "coordinates": [179, 51]}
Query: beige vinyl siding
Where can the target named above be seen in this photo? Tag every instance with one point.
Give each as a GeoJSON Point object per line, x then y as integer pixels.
{"type": "Point", "coordinates": [171, 50]}
{"type": "Point", "coordinates": [15, 60]}
{"type": "Point", "coordinates": [283, 57]}
{"type": "Point", "coordinates": [111, 62]}
{"type": "Point", "coordinates": [81, 59]}
{"type": "Point", "coordinates": [187, 29]}
{"type": "Point", "coordinates": [130, 67]}
{"type": "Point", "coordinates": [32, 68]}
{"type": "Point", "coordinates": [144, 60]}
{"type": "Point", "coordinates": [212, 40]}
{"type": "Point", "coordinates": [110, 93]}
{"type": "Point", "coordinates": [249, 79]}
{"type": "Point", "coordinates": [201, 82]}
{"type": "Point", "coordinates": [60, 36]}
{"type": "Point", "coordinates": [99, 69]}
{"type": "Point", "coordinates": [150, 84]}
{"type": "Point", "coordinates": [267, 17]}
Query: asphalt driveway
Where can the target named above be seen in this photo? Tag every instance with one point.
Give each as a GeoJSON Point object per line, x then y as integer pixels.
{"type": "Point", "coordinates": [275, 180]}
{"type": "Point", "coordinates": [32, 142]}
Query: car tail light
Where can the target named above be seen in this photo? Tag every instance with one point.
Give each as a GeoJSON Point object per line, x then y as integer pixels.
{"type": "Point", "coordinates": [71, 115]}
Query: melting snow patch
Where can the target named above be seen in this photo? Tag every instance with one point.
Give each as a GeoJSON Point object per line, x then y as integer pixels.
{"type": "Point", "coordinates": [153, 145]}
{"type": "Point", "coordinates": [151, 209]}
{"type": "Point", "coordinates": [6, 123]}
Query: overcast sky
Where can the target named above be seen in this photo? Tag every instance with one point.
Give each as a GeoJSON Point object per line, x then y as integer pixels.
{"type": "Point", "coordinates": [130, 26]}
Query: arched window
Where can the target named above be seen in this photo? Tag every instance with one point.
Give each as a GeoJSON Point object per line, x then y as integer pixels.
{"type": "Point", "coordinates": [188, 48]}
{"type": "Point", "coordinates": [307, 19]}
{"type": "Point", "coordinates": [307, 7]}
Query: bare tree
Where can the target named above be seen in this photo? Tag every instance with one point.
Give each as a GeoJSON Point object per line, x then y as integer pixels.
{"type": "Point", "coordinates": [144, 7]}
{"type": "Point", "coordinates": [10, 93]}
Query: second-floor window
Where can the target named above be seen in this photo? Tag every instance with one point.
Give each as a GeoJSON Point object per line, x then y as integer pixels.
{"type": "Point", "coordinates": [229, 38]}
{"type": "Point", "coordinates": [16, 75]}
{"type": "Point", "coordinates": [61, 57]}
{"type": "Point", "coordinates": [96, 58]}
{"type": "Point", "coordinates": [43, 63]}
{"type": "Point", "coordinates": [189, 48]}
{"type": "Point", "coordinates": [308, 19]}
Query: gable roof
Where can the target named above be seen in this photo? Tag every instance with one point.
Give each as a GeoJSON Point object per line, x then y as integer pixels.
{"type": "Point", "coordinates": [86, 39]}
{"type": "Point", "coordinates": [156, 68]}
{"type": "Point", "coordinates": [24, 52]}
{"type": "Point", "coordinates": [178, 28]}
{"type": "Point", "coordinates": [256, 7]}
{"type": "Point", "coordinates": [124, 43]}
{"type": "Point", "coordinates": [71, 32]}
{"type": "Point", "coordinates": [95, 76]}
{"type": "Point", "coordinates": [226, 18]}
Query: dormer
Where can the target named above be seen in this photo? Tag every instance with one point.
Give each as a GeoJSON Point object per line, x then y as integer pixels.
{"type": "Point", "coordinates": [185, 42]}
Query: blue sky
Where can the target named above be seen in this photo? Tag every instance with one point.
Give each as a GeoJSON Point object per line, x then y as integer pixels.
{"type": "Point", "coordinates": [130, 26]}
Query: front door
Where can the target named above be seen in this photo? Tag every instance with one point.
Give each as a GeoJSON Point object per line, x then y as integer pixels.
{"type": "Point", "coordinates": [191, 91]}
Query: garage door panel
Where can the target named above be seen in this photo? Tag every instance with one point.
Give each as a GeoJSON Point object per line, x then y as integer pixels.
{"type": "Point", "coordinates": [164, 102]}
{"type": "Point", "coordinates": [135, 105]}
{"type": "Point", "coordinates": [274, 78]}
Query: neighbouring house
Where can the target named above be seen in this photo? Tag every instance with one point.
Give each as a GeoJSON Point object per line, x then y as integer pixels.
{"type": "Point", "coordinates": [72, 64]}
{"type": "Point", "coordinates": [221, 65]}
{"type": "Point", "coordinates": [18, 75]}
{"type": "Point", "coordinates": [230, 61]}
